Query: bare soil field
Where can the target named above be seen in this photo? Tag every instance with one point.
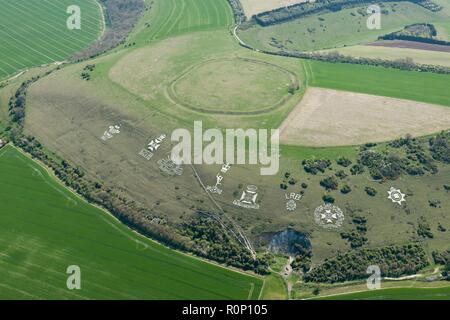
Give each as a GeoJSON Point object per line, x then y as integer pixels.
{"type": "Point", "coordinates": [252, 7]}
{"type": "Point", "coordinates": [337, 118]}
{"type": "Point", "coordinates": [410, 45]}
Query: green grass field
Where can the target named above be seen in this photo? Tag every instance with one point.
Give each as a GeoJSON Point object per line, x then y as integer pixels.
{"type": "Point", "coordinates": [274, 288]}
{"type": "Point", "coordinates": [44, 228]}
{"type": "Point", "coordinates": [174, 17]}
{"type": "Point", "coordinates": [418, 86]}
{"type": "Point", "coordinates": [34, 32]}
{"type": "Point", "coordinates": [396, 294]}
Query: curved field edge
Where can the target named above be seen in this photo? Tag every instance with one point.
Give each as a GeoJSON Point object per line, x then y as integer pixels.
{"type": "Point", "coordinates": [45, 37]}
{"type": "Point", "coordinates": [53, 228]}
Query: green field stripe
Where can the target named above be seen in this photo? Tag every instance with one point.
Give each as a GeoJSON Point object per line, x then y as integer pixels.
{"type": "Point", "coordinates": [35, 59]}
{"type": "Point", "coordinates": [60, 12]}
{"type": "Point", "coordinates": [69, 38]}
{"type": "Point", "coordinates": [63, 28]}
{"type": "Point", "coordinates": [10, 53]}
{"type": "Point", "coordinates": [185, 20]}
{"type": "Point", "coordinates": [59, 276]}
{"type": "Point", "coordinates": [40, 41]}
{"type": "Point", "coordinates": [163, 10]}
{"type": "Point", "coordinates": [162, 29]}
{"type": "Point", "coordinates": [228, 17]}
{"type": "Point", "coordinates": [7, 292]}
{"type": "Point", "coordinates": [83, 13]}
{"type": "Point", "coordinates": [204, 6]}
{"type": "Point", "coordinates": [16, 276]}
{"type": "Point", "coordinates": [53, 43]}
{"type": "Point", "coordinates": [178, 17]}
{"type": "Point", "coordinates": [198, 15]}
{"type": "Point", "coordinates": [4, 72]}
{"type": "Point", "coordinates": [217, 15]}
{"type": "Point", "coordinates": [16, 39]}
{"type": "Point", "coordinates": [4, 61]}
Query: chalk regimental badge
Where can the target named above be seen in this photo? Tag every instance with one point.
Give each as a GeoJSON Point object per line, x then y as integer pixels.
{"type": "Point", "coordinates": [329, 216]}
{"type": "Point", "coordinates": [216, 188]}
{"type": "Point", "coordinates": [248, 198]}
{"type": "Point", "coordinates": [109, 134]}
{"type": "Point", "coordinates": [170, 168]}
{"type": "Point", "coordinates": [396, 196]}
{"type": "Point", "coordinates": [292, 199]}
{"type": "Point", "coordinates": [152, 146]}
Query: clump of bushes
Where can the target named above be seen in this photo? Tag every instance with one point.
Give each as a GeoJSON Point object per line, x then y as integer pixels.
{"type": "Point", "coordinates": [346, 189]}
{"type": "Point", "coordinates": [342, 161]}
{"type": "Point", "coordinates": [370, 191]}
{"type": "Point", "coordinates": [329, 183]}
{"type": "Point", "coordinates": [314, 166]}
{"type": "Point", "coordinates": [423, 229]}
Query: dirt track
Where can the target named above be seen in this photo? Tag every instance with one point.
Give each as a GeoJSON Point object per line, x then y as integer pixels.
{"type": "Point", "coordinates": [337, 118]}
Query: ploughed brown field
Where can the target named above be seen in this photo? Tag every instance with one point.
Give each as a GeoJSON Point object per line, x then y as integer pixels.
{"type": "Point", "coordinates": [410, 45]}
{"type": "Point", "coordinates": [327, 117]}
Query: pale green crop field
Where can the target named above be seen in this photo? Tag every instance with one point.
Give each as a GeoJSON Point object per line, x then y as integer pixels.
{"type": "Point", "coordinates": [44, 228]}
{"type": "Point", "coordinates": [34, 32]}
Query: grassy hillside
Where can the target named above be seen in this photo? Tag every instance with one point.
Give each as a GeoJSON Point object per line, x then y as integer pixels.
{"type": "Point", "coordinates": [419, 86]}
{"type": "Point", "coordinates": [44, 228]}
{"type": "Point", "coordinates": [337, 29]}
{"type": "Point", "coordinates": [34, 32]}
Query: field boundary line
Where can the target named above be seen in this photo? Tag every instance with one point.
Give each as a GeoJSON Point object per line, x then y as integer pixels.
{"type": "Point", "coordinates": [176, 21]}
